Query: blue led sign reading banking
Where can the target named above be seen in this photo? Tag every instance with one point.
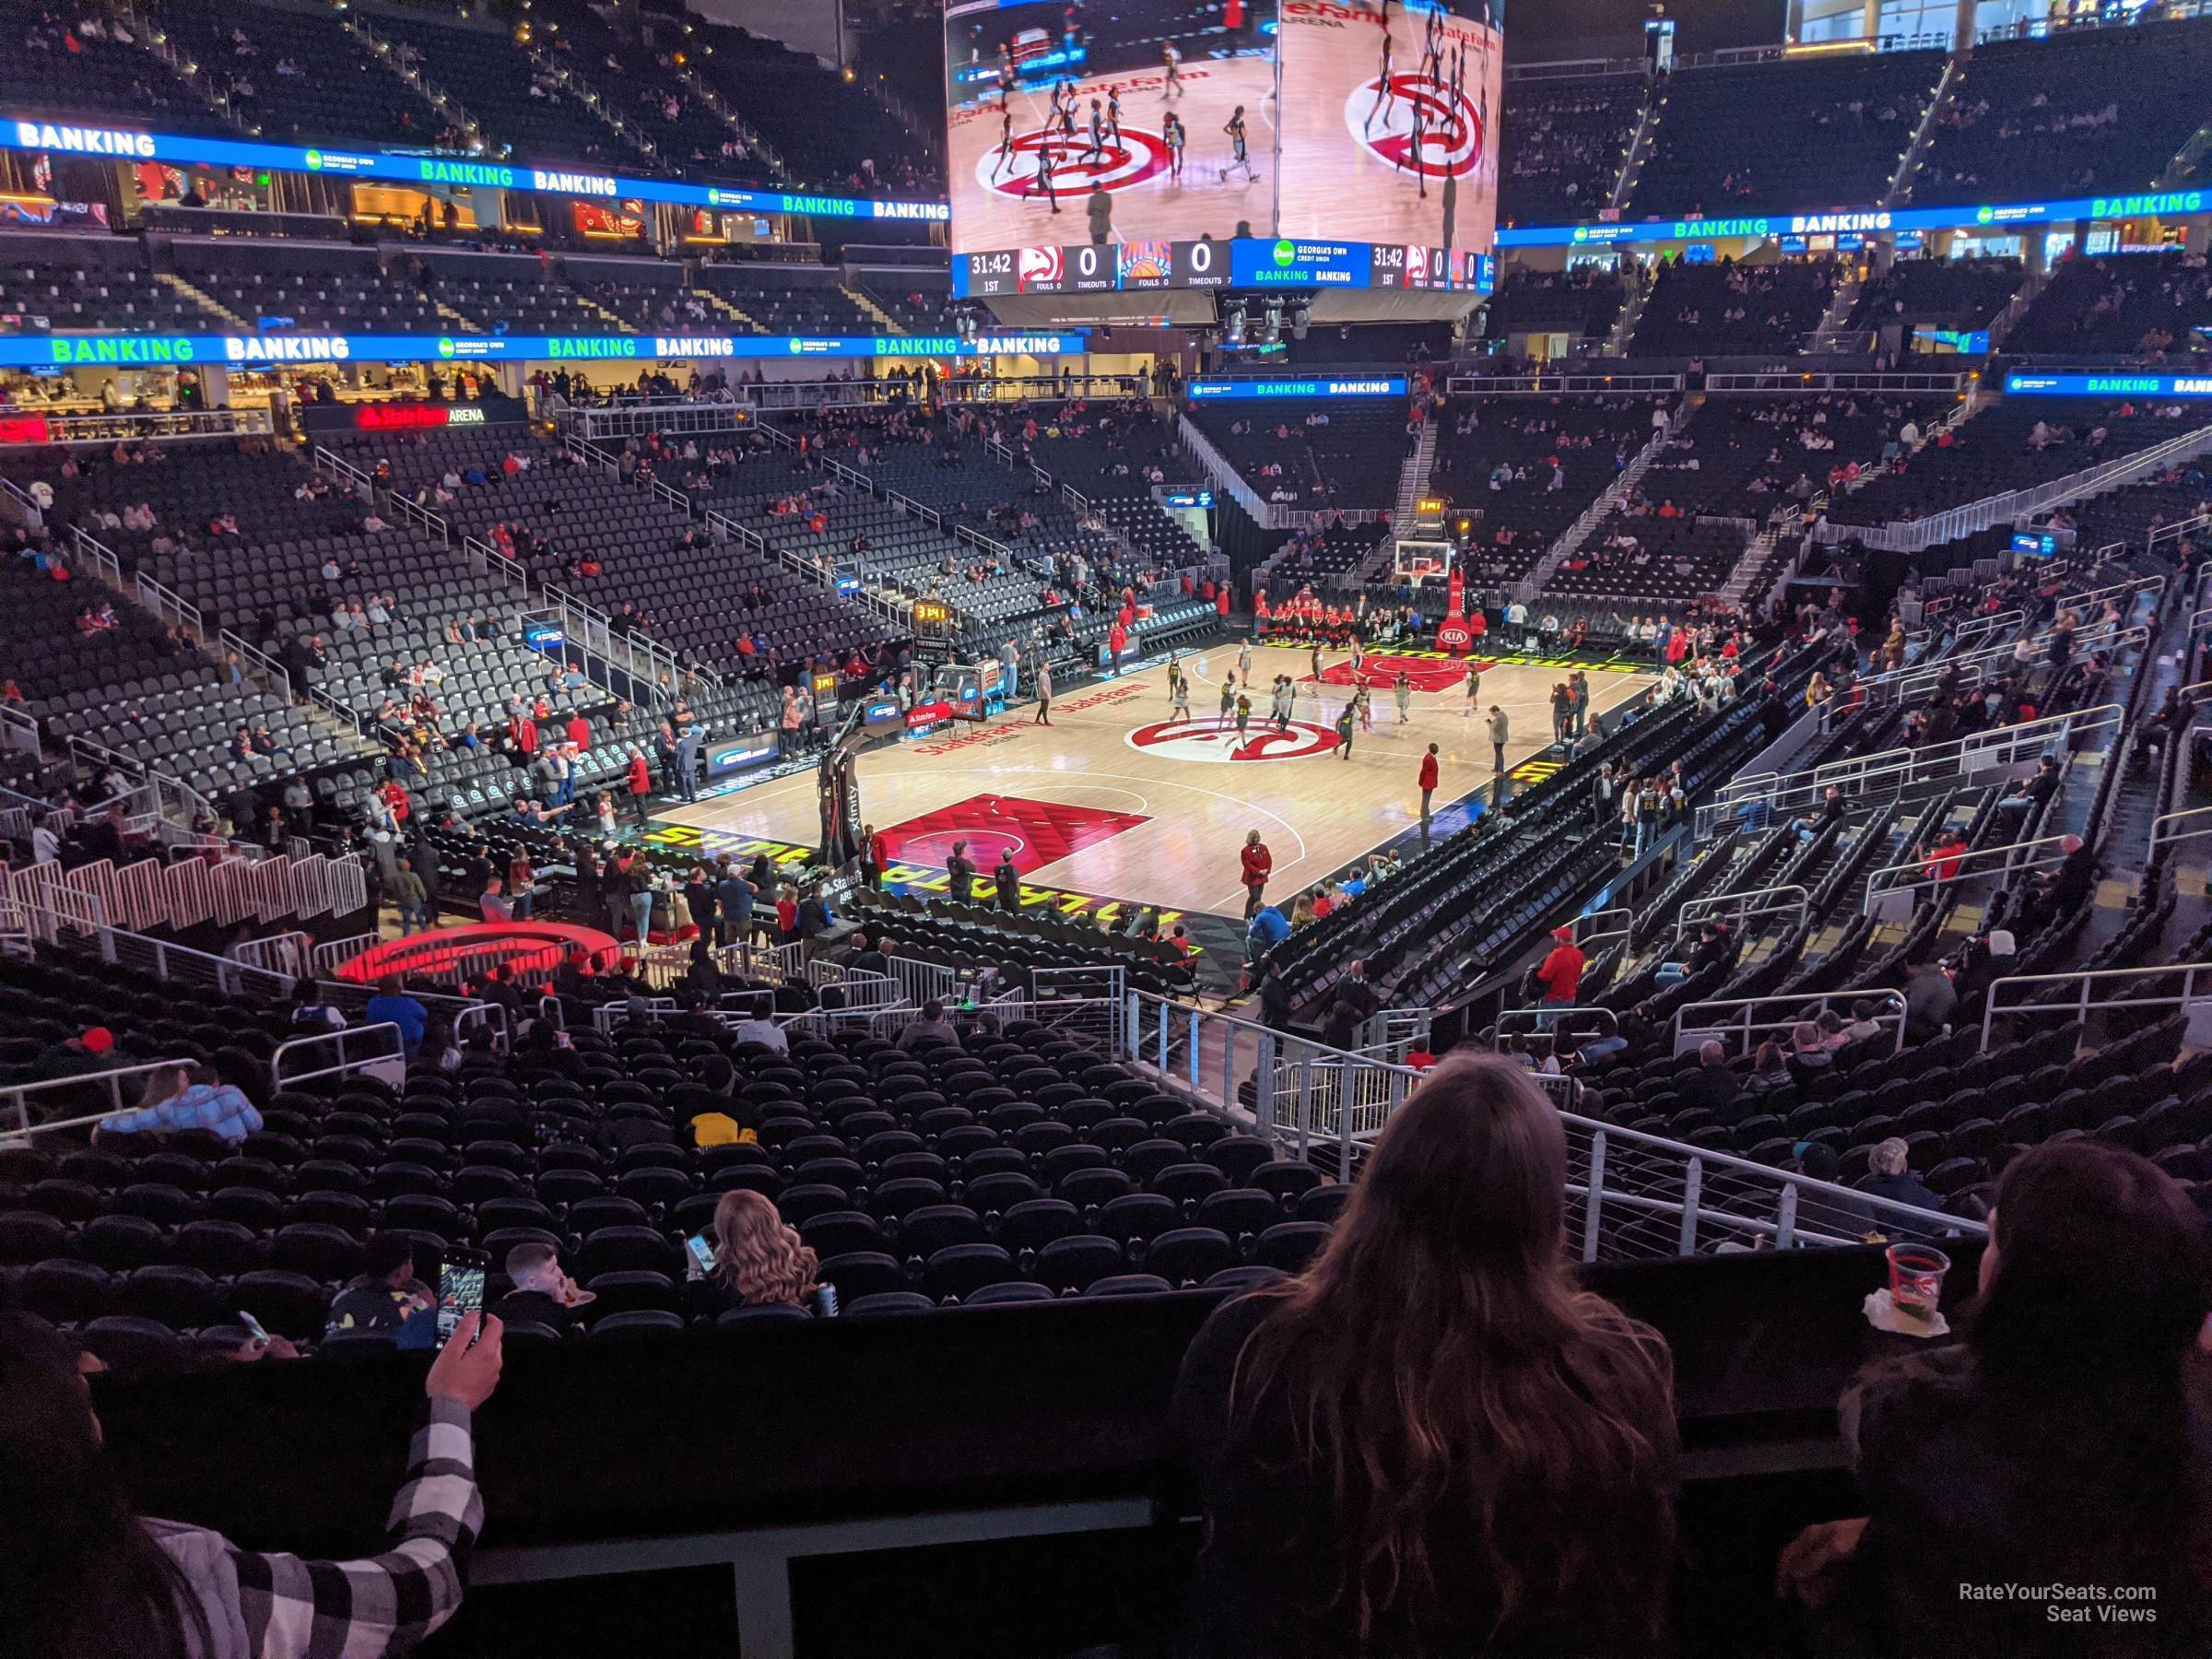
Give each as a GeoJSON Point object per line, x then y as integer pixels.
{"type": "Point", "coordinates": [89, 350]}
{"type": "Point", "coordinates": [2026, 384]}
{"type": "Point", "coordinates": [1204, 391]}
{"type": "Point", "coordinates": [1863, 221]}
{"type": "Point", "coordinates": [126, 144]}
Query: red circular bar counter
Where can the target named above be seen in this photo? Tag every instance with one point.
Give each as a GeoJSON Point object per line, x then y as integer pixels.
{"type": "Point", "coordinates": [524, 948]}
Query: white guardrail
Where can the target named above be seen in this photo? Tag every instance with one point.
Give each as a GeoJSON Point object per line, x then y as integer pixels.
{"type": "Point", "coordinates": [1632, 1195]}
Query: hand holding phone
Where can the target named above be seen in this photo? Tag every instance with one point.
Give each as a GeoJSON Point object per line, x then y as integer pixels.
{"type": "Point", "coordinates": [469, 1371]}
{"type": "Point", "coordinates": [461, 1278]}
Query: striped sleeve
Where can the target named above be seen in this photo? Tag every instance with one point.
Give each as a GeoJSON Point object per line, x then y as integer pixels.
{"type": "Point", "coordinates": [297, 1609]}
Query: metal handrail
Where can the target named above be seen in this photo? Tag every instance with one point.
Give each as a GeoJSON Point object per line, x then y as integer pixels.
{"type": "Point", "coordinates": [1955, 756]}
{"type": "Point", "coordinates": [2162, 837]}
{"type": "Point", "coordinates": [2085, 978]}
{"type": "Point", "coordinates": [1318, 1080]}
{"type": "Point", "coordinates": [1695, 911]}
{"type": "Point", "coordinates": [2128, 589]}
{"type": "Point", "coordinates": [1689, 1035]}
{"type": "Point", "coordinates": [19, 1095]}
{"type": "Point", "coordinates": [1972, 667]}
{"type": "Point", "coordinates": [391, 1052]}
{"type": "Point", "coordinates": [278, 677]}
{"type": "Point", "coordinates": [1974, 628]}
{"type": "Point", "coordinates": [1875, 890]}
{"type": "Point", "coordinates": [1582, 938]}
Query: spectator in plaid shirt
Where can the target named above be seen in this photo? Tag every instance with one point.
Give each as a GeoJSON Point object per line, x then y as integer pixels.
{"type": "Point", "coordinates": [82, 1577]}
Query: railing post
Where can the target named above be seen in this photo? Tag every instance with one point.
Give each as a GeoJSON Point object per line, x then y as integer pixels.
{"type": "Point", "coordinates": [1263, 1096]}
{"type": "Point", "coordinates": [1591, 1204]}
{"type": "Point", "coordinates": [1693, 1189]}
{"type": "Point", "coordinates": [1162, 1059]}
{"type": "Point", "coordinates": [1785, 1217]}
{"type": "Point", "coordinates": [1194, 1054]}
{"type": "Point", "coordinates": [1344, 1121]}
{"type": "Point", "coordinates": [1229, 1067]}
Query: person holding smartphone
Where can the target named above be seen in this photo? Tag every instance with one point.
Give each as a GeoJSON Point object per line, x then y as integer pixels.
{"type": "Point", "coordinates": [111, 1582]}
{"type": "Point", "coordinates": [757, 1259]}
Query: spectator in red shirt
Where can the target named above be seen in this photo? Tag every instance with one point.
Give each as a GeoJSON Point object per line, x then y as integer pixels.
{"type": "Point", "coordinates": [525, 736]}
{"type": "Point", "coordinates": [1561, 972]}
{"type": "Point", "coordinates": [1258, 865]}
{"type": "Point", "coordinates": [1429, 774]}
{"type": "Point", "coordinates": [641, 790]}
{"type": "Point", "coordinates": [580, 732]}
{"type": "Point", "coordinates": [1944, 861]}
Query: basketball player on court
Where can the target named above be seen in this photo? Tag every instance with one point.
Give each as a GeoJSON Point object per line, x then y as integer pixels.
{"type": "Point", "coordinates": [1238, 157]}
{"type": "Point", "coordinates": [1043, 180]}
{"type": "Point", "coordinates": [1173, 59]}
{"type": "Point", "coordinates": [1113, 113]}
{"type": "Point", "coordinates": [1432, 48]}
{"type": "Point", "coordinates": [1385, 93]}
{"type": "Point", "coordinates": [1244, 661]}
{"type": "Point", "coordinates": [1179, 700]}
{"type": "Point", "coordinates": [1172, 132]}
{"type": "Point", "coordinates": [1005, 159]}
{"type": "Point", "coordinates": [1067, 118]}
{"type": "Point", "coordinates": [1473, 691]}
{"type": "Point", "coordinates": [1405, 695]}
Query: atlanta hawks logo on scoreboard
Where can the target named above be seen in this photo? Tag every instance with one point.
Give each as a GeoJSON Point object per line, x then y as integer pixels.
{"type": "Point", "coordinates": [1121, 161]}
{"type": "Point", "coordinates": [1446, 139]}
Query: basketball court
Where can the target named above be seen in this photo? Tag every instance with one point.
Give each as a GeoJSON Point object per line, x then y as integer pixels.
{"type": "Point", "coordinates": [1112, 801]}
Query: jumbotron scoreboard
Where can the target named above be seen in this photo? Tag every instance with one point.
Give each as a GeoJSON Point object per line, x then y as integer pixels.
{"type": "Point", "coordinates": [1243, 263]}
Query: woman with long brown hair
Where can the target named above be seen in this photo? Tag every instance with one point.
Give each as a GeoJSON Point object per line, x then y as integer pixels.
{"type": "Point", "coordinates": [1431, 1441]}
{"type": "Point", "coordinates": [757, 1255]}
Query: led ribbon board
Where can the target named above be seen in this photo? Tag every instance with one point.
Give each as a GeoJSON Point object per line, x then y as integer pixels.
{"type": "Point", "coordinates": [2019, 384]}
{"type": "Point", "coordinates": [1862, 221]}
{"type": "Point", "coordinates": [1214, 391]}
{"type": "Point", "coordinates": [253, 351]}
{"type": "Point", "coordinates": [130, 145]}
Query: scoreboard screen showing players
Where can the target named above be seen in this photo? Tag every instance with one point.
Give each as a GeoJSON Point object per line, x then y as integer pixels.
{"type": "Point", "coordinates": [1389, 130]}
{"type": "Point", "coordinates": [1252, 262]}
{"type": "Point", "coordinates": [1166, 105]}
{"type": "Point", "coordinates": [1243, 142]}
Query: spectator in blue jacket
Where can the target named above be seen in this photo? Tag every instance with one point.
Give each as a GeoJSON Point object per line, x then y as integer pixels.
{"type": "Point", "coordinates": [187, 1096]}
{"type": "Point", "coordinates": [1269, 929]}
{"type": "Point", "coordinates": [394, 1007]}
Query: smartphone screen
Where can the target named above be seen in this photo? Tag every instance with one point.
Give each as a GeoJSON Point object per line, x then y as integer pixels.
{"type": "Point", "coordinates": [253, 1327]}
{"type": "Point", "coordinates": [699, 1250]}
{"type": "Point", "coordinates": [460, 1289]}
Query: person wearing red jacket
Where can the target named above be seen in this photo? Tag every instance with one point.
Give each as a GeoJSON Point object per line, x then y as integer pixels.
{"type": "Point", "coordinates": [525, 736]}
{"type": "Point", "coordinates": [1259, 863]}
{"type": "Point", "coordinates": [580, 732]}
{"type": "Point", "coordinates": [1429, 774]}
{"type": "Point", "coordinates": [1561, 972]}
{"type": "Point", "coordinates": [640, 789]}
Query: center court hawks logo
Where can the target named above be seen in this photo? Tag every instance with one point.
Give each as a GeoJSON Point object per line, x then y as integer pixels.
{"type": "Point", "coordinates": [1121, 163]}
{"type": "Point", "coordinates": [1212, 742]}
{"type": "Point", "coordinates": [1451, 136]}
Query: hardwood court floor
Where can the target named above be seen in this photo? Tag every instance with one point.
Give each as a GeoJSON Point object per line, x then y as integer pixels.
{"type": "Point", "coordinates": [1110, 801]}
